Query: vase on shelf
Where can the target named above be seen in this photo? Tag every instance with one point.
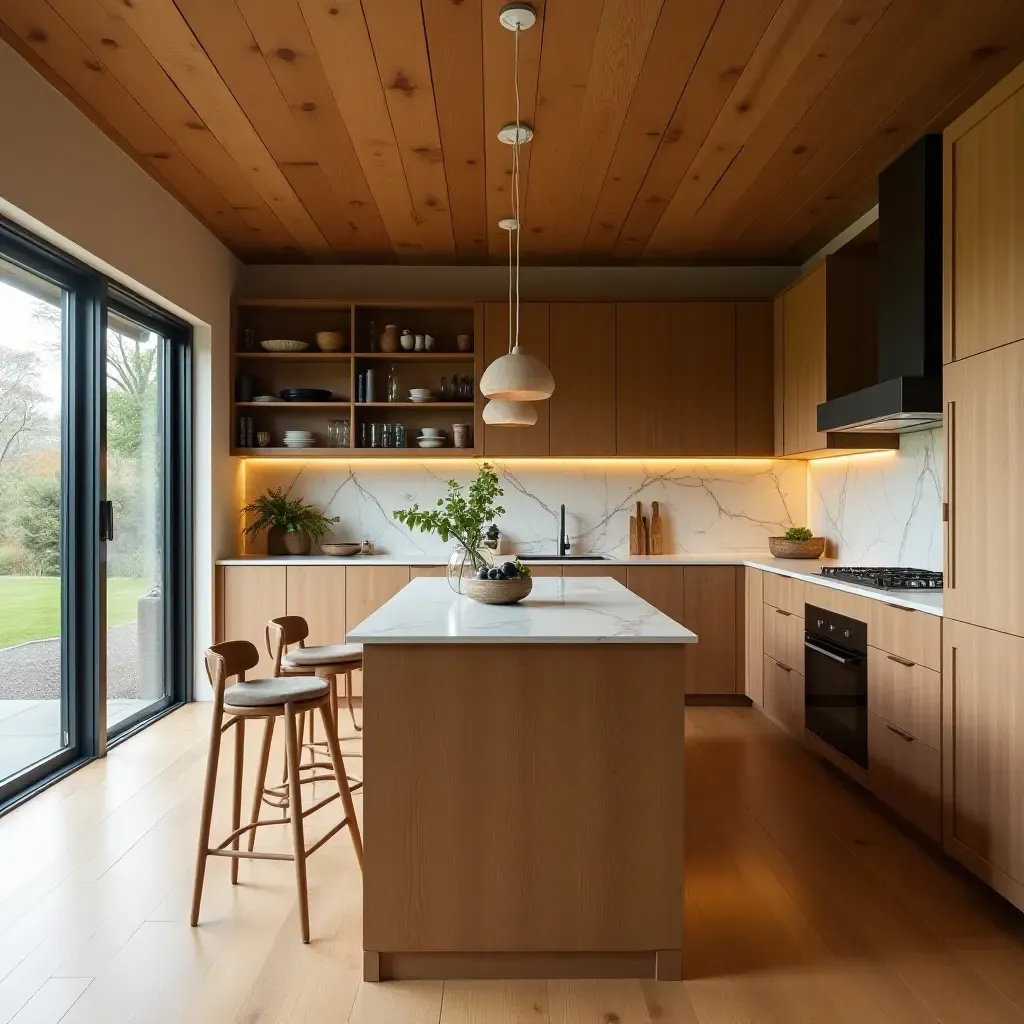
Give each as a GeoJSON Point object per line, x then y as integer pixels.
{"type": "Point", "coordinates": [389, 339]}
{"type": "Point", "coordinates": [463, 564]}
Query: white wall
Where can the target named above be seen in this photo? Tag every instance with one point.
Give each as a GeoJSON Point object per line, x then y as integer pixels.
{"type": "Point", "coordinates": [61, 177]}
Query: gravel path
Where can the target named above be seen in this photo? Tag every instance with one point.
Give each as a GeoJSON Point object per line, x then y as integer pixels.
{"type": "Point", "coordinates": [32, 671]}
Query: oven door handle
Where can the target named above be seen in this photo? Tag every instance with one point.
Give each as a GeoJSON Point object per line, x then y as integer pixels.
{"type": "Point", "coordinates": [843, 659]}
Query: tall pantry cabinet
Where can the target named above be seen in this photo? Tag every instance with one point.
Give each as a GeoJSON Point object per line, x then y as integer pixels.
{"type": "Point", "coordinates": [983, 385]}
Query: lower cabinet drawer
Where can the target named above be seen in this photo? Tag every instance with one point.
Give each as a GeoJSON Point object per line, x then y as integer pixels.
{"type": "Point", "coordinates": [784, 637]}
{"type": "Point", "coordinates": [906, 774]}
{"type": "Point", "coordinates": [784, 697]}
{"type": "Point", "coordinates": [785, 592]}
{"type": "Point", "coordinates": [906, 694]}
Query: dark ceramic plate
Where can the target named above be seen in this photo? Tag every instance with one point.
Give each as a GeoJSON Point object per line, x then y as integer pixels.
{"type": "Point", "coordinates": [306, 395]}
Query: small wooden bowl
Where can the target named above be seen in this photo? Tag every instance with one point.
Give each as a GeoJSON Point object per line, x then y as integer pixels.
{"type": "Point", "coordinates": [782, 548]}
{"type": "Point", "coordinates": [340, 550]}
{"type": "Point", "coordinates": [332, 341]}
{"type": "Point", "coordinates": [497, 591]}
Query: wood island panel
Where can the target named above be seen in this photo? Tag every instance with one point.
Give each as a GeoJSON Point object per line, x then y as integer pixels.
{"type": "Point", "coordinates": [524, 802]}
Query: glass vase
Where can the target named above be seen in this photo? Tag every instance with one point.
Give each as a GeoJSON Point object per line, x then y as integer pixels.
{"type": "Point", "coordinates": [464, 563]}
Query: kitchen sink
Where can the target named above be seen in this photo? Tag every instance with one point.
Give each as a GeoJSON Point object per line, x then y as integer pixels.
{"type": "Point", "coordinates": [564, 558]}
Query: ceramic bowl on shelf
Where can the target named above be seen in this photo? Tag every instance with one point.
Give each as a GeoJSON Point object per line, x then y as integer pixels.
{"type": "Point", "coordinates": [431, 432]}
{"type": "Point", "coordinates": [306, 395]}
{"type": "Point", "coordinates": [265, 398]}
{"type": "Point", "coordinates": [284, 345]}
{"type": "Point", "coordinates": [430, 442]}
{"type": "Point", "coordinates": [332, 341]}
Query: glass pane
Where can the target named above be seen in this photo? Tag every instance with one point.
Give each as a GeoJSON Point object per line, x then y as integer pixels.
{"type": "Point", "coordinates": [135, 481]}
{"type": "Point", "coordinates": [33, 701]}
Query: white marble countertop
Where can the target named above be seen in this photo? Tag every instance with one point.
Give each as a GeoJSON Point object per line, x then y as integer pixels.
{"type": "Point", "coordinates": [558, 611]}
{"type": "Point", "coordinates": [803, 569]}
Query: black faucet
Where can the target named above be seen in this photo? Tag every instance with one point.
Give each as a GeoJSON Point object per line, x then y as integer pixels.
{"type": "Point", "coordinates": [563, 539]}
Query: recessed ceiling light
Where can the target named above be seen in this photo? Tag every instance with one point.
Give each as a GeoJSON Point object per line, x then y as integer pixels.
{"type": "Point", "coordinates": [508, 224]}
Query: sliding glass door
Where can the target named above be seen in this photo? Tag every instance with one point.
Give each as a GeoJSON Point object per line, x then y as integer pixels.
{"type": "Point", "coordinates": [95, 512]}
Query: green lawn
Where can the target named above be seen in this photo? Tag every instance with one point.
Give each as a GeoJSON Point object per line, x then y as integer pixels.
{"type": "Point", "coordinates": [30, 606]}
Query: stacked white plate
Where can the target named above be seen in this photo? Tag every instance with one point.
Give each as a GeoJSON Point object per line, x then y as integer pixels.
{"type": "Point", "coordinates": [421, 395]}
{"type": "Point", "coordinates": [299, 439]}
{"type": "Point", "coordinates": [432, 437]}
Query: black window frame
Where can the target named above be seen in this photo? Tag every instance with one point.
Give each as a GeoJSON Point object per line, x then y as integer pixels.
{"type": "Point", "coordinates": [87, 295]}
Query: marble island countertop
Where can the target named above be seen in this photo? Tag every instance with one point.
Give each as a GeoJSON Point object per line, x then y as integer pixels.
{"type": "Point", "coordinates": [558, 611]}
{"type": "Point", "coordinates": [803, 569]}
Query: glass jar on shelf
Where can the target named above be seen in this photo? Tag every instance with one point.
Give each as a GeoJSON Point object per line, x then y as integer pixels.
{"type": "Point", "coordinates": [394, 384]}
{"type": "Point", "coordinates": [338, 434]}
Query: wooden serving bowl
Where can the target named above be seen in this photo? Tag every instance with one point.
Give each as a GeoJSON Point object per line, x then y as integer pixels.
{"type": "Point", "coordinates": [782, 548]}
{"type": "Point", "coordinates": [497, 591]}
{"type": "Point", "coordinates": [338, 550]}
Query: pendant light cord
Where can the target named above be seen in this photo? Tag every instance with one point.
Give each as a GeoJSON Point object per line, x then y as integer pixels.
{"type": "Point", "coordinates": [515, 184]}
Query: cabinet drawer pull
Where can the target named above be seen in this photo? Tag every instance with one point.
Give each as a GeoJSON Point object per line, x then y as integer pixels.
{"type": "Point", "coordinates": [899, 732]}
{"type": "Point", "coordinates": [900, 661]}
{"type": "Point", "coordinates": [779, 611]}
{"type": "Point", "coordinates": [899, 607]}
{"type": "Point", "coordinates": [785, 668]}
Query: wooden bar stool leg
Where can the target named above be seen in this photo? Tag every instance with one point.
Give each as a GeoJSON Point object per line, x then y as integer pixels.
{"type": "Point", "coordinates": [261, 779]}
{"type": "Point", "coordinates": [206, 817]}
{"type": "Point", "coordinates": [295, 812]}
{"type": "Point", "coordinates": [236, 795]}
{"type": "Point", "coordinates": [351, 708]}
{"type": "Point", "coordinates": [346, 794]}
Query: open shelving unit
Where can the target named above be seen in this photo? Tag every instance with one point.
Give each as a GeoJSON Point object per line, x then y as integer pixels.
{"type": "Point", "coordinates": [363, 323]}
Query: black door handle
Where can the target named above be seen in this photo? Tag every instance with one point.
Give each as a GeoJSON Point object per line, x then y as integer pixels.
{"type": "Point", "coordinates": [106, 520]}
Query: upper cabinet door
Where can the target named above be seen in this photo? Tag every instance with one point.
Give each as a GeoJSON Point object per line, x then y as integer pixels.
{"type": "Point", "coordinates": [676, 378]}
{"type": "Point", "coordinates": [984, 225]}
{"type": "Point", "coordinates": [582, 409]}
{"type": "Point", "coordinates": [754, 379]}
{"type": "Point", "coordinates": [803, 325]}
{"type": "Point", "coordinates": [533, 335]}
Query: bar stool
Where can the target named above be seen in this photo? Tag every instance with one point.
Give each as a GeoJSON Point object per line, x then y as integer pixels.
{"type": "Point", "coordinates": [268, 699]}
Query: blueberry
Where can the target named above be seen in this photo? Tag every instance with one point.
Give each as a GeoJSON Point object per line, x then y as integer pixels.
{"type": "Point", "coordinates": [510, 571]}
{"type": "Point", "coordinates": [495, 574]}
{"type": "Point", "coordinates": [481, 574]}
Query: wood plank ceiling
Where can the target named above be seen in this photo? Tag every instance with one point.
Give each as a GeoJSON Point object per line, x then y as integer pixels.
{"type": "Point", "coordinates": [667, 130]}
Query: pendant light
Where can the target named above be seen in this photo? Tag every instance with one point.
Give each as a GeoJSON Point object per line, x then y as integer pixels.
{"type": "Point", "coordinates": [518, 377]}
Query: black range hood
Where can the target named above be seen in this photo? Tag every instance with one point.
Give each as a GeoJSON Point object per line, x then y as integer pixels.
{"type": "Point", "coordinates": [909, 393]}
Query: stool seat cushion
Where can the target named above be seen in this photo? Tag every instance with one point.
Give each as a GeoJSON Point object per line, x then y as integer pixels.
{"type": "Point", "coordinates": [326, 654]}
{"type": "Point", "coordinates": [261, 693]}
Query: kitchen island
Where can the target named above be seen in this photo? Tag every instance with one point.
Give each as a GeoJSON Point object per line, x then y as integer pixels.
{"type": "Point", "coordinates": [523, 810]}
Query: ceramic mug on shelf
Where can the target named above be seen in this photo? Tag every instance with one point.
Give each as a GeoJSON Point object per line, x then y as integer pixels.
{"type": "Point", "coordinates": [407, 340]}
{"type": "Point", "coordinates": [464, 342]}
{"type": "Point", "coordinates": [262, 438]}
{"type": "Point", "coordinates": [460, 435]}
{"type": "Point", "coordinates": [419, 343]}
{"type": "Point", "coordinates": [428, 342]}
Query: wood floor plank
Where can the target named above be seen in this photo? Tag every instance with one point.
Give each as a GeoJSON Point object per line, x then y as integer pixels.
{"type": "Point", "coordinates": [398, 1002]}
{"type": "Point", "coordinates": [52, 1001]}
{"type": "Point", "coordinates": [498, 1002]}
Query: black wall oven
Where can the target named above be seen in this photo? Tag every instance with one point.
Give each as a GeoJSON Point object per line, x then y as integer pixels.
{"type": "Point", "coordinates": [836, 679]}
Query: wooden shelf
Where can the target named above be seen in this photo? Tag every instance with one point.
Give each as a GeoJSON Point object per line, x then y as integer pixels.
{"type": "Point", "coordinates": [355, 453]}
{"type": "Point", "coordinates": [310, 356]}
{"type": "Point", "coordinates": [292, 405]}
{"type": "Point", "coordinates": [407, 405]}
{"type": "Point", "coordinates": [418, 357]}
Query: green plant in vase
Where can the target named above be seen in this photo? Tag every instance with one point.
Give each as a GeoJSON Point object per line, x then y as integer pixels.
{"type": "Point", "coordinates": [297, 523]}
{"type": "Point", "coordinates": [461, 515]}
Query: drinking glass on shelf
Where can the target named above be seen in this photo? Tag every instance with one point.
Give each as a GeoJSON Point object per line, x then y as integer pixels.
{"type": "Point", "coordinates": [262, 438]}
{"type": "Point", "coordinates": [388, 437]}
{"type": "Point", "coordinates": [401, 437]}
{"type": "Point", "coordinates": [364, 434]}
{"type": "Point", "coordinates": [444, 390]}
{"type": "Point", "coordinates": [337, 433]}
{"type": "Point", "coordinates": [376, 435]}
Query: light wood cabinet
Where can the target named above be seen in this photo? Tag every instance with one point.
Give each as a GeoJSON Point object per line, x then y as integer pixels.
{"type": "Point", "coordinates": [784, 637]}
{"type": "Point", "coordinates": [367, 587]}
{"type": "Point", "coordinates": [984, 563]}
{"type": "Point", "coordinates": [616, 572]}
{"type": "Point", "coordinates": [317, 593]}
{"type": "Point", "coordinates": [705, 599]}
{"type": "Point", "coordinates": [582, 409]}
{"type": "Point", "coordinates": [675, 378]}
{"type": "Point", "coordinates": [803, 360]}
{"type": "Point", "coordinates": [250, 596]}
{"type": "Point", "coordinates": [984, 223]}
{"type": "Point", "coordinates": [784, 697]}
{"type": "Point", "coordinates": [906, 774]}
{"type": "Point", "coordinates": [787, 593]}
{"type": "Point", "coordinates": [907, 695]}
{"type": "Point", "coordinates": [415, 571]}
{"type": "Point", "coordinates": [711, 596]}
{"type": "Point", "coordinates": [983, 754]}
{"type": "Point", "coordinates": [533, 331]}
{"type": "Point", "coordinates": [753, 661]}
{"type": "Point", "coordinates": [754, 369]}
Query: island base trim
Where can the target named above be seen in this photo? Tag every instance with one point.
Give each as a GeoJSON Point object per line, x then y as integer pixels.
{"type": "Point", "coordinates": [663, 965]}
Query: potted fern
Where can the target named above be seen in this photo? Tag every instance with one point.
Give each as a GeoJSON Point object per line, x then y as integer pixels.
{"type": "Point", "coordinates": [291, 524]}
{"type": "Point", "coordinates": [798, 542]}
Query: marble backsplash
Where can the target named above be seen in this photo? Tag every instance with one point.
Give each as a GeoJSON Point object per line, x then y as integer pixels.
{"type": "Point", "coordinates": [706, 507]}
{"type": "Point", "coordinates": [883, 509]}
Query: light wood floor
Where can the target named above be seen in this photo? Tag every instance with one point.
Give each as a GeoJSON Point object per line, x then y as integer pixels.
{"type": "Point", "coordinates": [803, 904]}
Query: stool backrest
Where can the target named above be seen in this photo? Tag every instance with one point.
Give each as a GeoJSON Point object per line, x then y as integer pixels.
{"type": "Point", "coordinates": [281, 633]}
{"type": "Point", "coordinates": [231, 658]}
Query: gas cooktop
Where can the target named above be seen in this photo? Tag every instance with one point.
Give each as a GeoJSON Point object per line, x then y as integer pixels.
{"type": "Point", "coordinates": [886, 579]}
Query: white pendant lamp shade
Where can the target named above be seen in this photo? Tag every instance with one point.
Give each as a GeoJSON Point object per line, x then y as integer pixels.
{"type": "Point", "coordinates": [499, 413]}
{"type": "Point", "coordinates": [517, 377]}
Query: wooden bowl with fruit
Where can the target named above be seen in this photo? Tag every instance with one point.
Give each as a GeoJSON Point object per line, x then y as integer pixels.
{"type": "Point", "coordinates": [504, 584]}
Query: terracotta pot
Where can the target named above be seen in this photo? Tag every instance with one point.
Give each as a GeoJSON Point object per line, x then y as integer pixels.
{"type": "Point", "coordinates": [389, 338]}
{"type": "Point", "coordinates": [275, 541]}
{"type": "Point", "coordinates": [296, 543]}
{"type": "Point", "coordinates": [782, 548]}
